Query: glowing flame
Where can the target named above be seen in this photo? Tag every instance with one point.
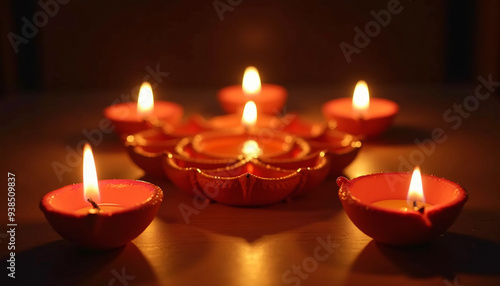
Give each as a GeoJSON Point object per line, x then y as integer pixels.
{"type": "Point", "coordinates": [361, 99]}
{"type": "Point", "coordinates": [249, 117]}
{"type": "Point", "coordinates": [90, 185]}
{"type": "Point", "coordinates": [251, 81]}
{"type": "Point", "coordinates": [416, 191]}
{"type": "Point", "coordinates": [145, 102]}
{"type": "Point", "coordinates": [251, 149]}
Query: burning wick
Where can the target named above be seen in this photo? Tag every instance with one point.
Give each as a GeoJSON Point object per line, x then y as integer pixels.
{"type": "Point", "coordinates": [249, 117]}
{"type": "Point", "coordinates": [416, 208]}
{"type": "Point", "coordinates": [361, 100]}
{"type": "Point", "coordinates": [96, 208]}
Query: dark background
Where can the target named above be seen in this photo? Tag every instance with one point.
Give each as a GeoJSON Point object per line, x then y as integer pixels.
{"type": "Point", "coordinates": [97, 44]}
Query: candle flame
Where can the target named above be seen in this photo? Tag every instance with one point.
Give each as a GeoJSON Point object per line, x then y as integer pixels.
{"type": "Point", "coordinates": [416, 191]}
{"type": "Point", "coordinates": [251, 81]}
{"type": "Point", "coordinates": [145, 102]}
{"type": "Point", "coordinates": [361, 99]}
{"type": "Point", "coordinates": [251, 149]}
{"type": "Point", "coordinates": [249, 117]}
{"type": "Point", "coordinates": [90, 184]}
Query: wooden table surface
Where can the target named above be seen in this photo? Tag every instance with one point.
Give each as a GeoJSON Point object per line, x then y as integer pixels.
{"type": "Point", "coordinates": [224, 245]}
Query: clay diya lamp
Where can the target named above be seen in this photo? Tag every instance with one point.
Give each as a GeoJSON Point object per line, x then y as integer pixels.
{"type": "Point", "coordinates": [401, 209]}
{"type": "Point", "coordinates": [269, 98]}
{"type": "Point", "coordinates": [340, 147]}
{"type": "Point", "coordinates": [129, 117]}
{"type": "Point", "coordinates": [102, 214]}
{"type": "Point", "coordinates": [361, 115]}
{"type": "Point", "coordinates": [146, 148]}
{"type": "Point", "coordinates": [245, 179]}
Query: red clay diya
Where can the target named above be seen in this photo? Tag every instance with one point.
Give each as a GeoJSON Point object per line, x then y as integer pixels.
{"type": "Point", "coordinates": [269, 98]}
{"type": "Point", "coordinates": [129, 117]}
{"type": "Point", "coordinates": [341, 148]}
{"type": "Point", "coordinates": [393, 211]}
{"type": "Point", "coordinates": [361, 115]}
{"type": "Point", "coordinates": [146, 148]}
{"type": "Point", "coordinates": [245, 180]}
{"type": "Point", "coordinates": [102, 214]}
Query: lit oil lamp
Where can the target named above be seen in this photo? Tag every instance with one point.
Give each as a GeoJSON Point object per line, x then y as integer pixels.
{"type": "Point", "coordinates": [102, 214]}
{"type": "Point", "coordinates": [129, 117]}
{"type": "Point", "coordinates": [244, 168]}
{"type": "Point", "coordinates": [361, 115]}
{"type": "Point", "coordinates": [269, 98]}
{"type": "Point", "coordinates": [415, 199]}
{"type": "Point", "coordinates": [392, 208]}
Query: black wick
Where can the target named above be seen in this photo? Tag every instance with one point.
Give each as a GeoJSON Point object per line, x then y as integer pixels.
{"type": "Point", "coordinates": [415, 207]}
{"type": "Point", "coordinates": [94, 204]}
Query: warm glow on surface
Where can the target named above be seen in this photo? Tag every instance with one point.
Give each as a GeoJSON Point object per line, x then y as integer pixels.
{"type": "Point", "coordinates": [249, 117]}
{"type": "Point", "coordinates": [145, 102]}
{"type": "Point", "coordinates": [361, 99]}
{"type": "Point", "coordinates": [251, 149]}
{"type": "Point", "coordinates": [416, 191]}
{"type": "Point", "coordinates": [90, 185]}
{"type": "Point", "coordinates": [251, 81]}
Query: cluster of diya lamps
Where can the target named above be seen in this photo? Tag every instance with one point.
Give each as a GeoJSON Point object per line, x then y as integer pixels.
{"type": "Point", "coordinates": [249, 157]}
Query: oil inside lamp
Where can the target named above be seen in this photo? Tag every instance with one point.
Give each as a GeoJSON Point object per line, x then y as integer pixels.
{"type": "Point", "coordinates": [415, 199]}
{"type": "Point", "coordinates": [91, 192]}
{"type": "Point", "coordinates": [145, 102]}
{"type": "Point", "coordinates": [251, 149]}
{"type": "Point", "coordinates": [360, 100]}
{"type": "Point", "coordinates": [251, 81]}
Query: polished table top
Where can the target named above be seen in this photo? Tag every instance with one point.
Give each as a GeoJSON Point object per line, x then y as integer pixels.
{"type": "Point", "coordinates": [224, 245]}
